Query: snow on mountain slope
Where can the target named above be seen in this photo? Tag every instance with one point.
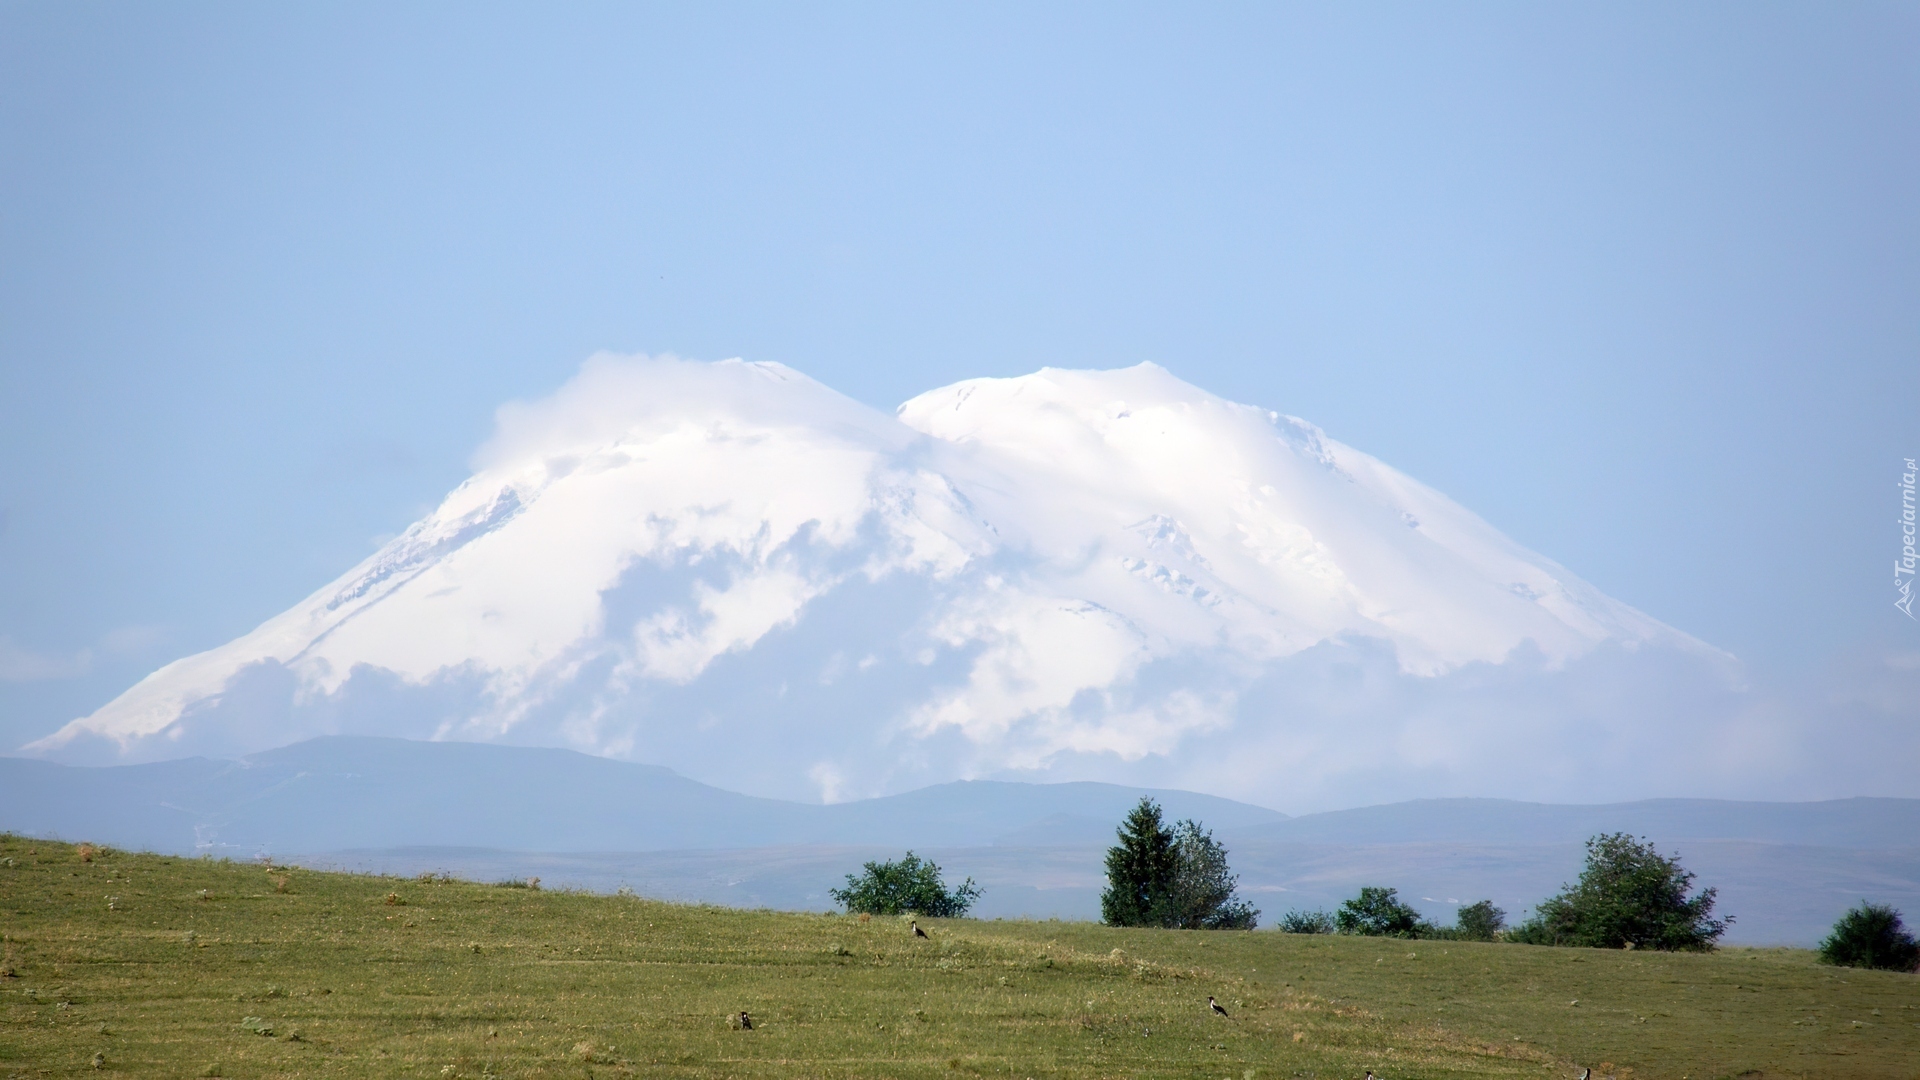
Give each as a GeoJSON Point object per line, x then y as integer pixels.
{"type": "Point", "coordinates": [732, 569]}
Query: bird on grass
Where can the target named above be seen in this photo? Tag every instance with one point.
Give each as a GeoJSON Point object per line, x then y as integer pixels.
{"type": "Point", "coordinates": [917, 932]}
{"type": "Point", "coordinates": [1217, 1007]}
{"type": "Point", "coordinates": [1370, 1075]}
{"type": "Point", "coordinates": [1586, 1074]}
{"type": "Point", "coordinates": [746, 1022]}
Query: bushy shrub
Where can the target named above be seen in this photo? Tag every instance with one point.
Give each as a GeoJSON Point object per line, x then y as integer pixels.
{"type": "Point", "coordinates": [910, 885]}
{"type": "Point", "coordinates": [1306, 922]}
{"type": "Point", "coordinates": [1480, 922]}
{"type": "Point", "coordinates": [1529, 932]}
{"type": "Point", "coordinates": [1628, 895]}
{"type": "Point", "coordinates": [1173, 877]}
{"type": "Point", "coordinates": [1379, 912]}
{"type": "Point", "coordinates": [1871, 936]}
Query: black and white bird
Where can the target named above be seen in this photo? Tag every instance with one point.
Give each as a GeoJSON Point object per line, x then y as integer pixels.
{"type": "Point", "coordinates": [1586, 1074]}
{"type": "Point", "coordinates": [746, 1022]}
{"type": "Point", "coordinates": [917, 932]}
{"type": "Point", "coordinates": [1217, 1007]}
{"type": "Point", "coordinates": [1370, 1075]}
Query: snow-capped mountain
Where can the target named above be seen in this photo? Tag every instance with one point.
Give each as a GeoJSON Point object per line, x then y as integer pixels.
{"type": "Point", "coordinates": [735, 571]}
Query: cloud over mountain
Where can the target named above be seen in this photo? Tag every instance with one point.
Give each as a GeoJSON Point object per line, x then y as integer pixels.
{"type": "Point", "coordinates": [735, 571]}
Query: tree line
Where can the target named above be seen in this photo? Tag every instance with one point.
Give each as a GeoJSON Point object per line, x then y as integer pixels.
{"type": "Point", "coordinates": [1629, 896]}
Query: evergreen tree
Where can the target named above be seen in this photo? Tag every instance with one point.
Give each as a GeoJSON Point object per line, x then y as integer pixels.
{"type": "Point", "coordinates": [1140, 870]}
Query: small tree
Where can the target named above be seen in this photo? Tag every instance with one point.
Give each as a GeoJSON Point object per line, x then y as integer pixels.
{"type": "Point", "coordinates": [910, 886]}
{"type": "Point", "coordinates": [1480, 922]}
{"type": "Point", "coordinates": [1629, 894]}
{"type": "Point", "coordinates": [1378, 912]}
{"type": "Point", "coordinates": [1871, 936]}
{"type": "Point", "coordinates": [1203, 885]}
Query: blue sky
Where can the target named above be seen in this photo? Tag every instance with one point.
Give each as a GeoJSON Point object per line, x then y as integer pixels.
{"type": "Point", "coordinates": [1637, 283]}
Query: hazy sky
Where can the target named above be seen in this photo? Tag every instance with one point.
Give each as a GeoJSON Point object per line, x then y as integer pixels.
{"type": "Point", "coordinates": [1640, 284]}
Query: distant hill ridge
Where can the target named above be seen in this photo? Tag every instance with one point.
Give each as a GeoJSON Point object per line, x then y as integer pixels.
{"type": "Point", "coordinates": [363, 792]}
{"type": "Point", "coordinates": [1846, 823]}
{"type": "Point", "coordinates": [353, 792]}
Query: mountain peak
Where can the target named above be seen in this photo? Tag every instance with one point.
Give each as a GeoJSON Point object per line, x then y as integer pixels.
{"type": "Point", "coordinates": [734, 570]}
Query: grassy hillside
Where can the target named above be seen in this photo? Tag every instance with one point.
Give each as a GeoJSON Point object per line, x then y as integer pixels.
{"type": "Point", "coordinates": [195, 967]}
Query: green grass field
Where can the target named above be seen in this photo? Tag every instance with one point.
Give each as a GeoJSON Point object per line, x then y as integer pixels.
{"type": "Point", "coordinates": [205, 968]}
